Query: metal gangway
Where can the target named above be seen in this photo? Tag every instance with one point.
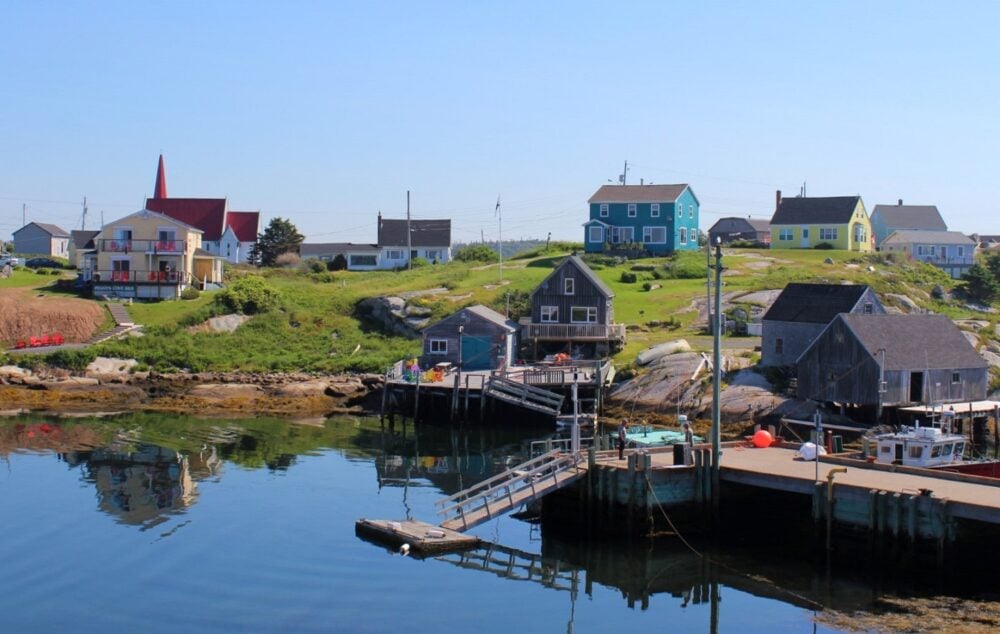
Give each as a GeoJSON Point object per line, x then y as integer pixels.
{"type": "Point", "coordinates": [511, 489]}
{"type": "Point", "coordinates": [517, 565]}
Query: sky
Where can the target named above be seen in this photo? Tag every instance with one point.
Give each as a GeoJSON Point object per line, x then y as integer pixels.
{"type": "Point", "coordinates": [326, 113]}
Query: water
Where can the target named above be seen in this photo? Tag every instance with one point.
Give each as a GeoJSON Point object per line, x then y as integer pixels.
{"type": "Point", "coordinates": [162, 523]}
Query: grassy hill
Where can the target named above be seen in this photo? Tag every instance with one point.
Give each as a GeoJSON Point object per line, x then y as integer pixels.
{"type": "Point", "coordinates": [315, 325]}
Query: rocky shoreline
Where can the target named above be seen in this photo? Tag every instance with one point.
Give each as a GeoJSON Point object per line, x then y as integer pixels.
{"type": "Point", "coordinates": [207, 393]}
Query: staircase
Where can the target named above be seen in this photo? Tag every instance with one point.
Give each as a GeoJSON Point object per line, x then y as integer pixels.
{"type": "Point", "coordinates": [509, 490]}
{"type": "Point", "coordinates": [526, 396]}
{"type": "Point", "coordinates": [123, 324]}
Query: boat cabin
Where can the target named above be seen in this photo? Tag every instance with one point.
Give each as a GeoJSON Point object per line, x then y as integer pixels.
{"type": "Point", "coordinates": [920, 447]}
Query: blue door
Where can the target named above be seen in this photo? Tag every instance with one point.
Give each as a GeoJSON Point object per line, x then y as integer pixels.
{"type": "Point", "coordinates": [477, 353]}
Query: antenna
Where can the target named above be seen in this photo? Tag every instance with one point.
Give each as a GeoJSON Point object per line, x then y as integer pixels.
{"type": "Point", "coordinates": [83, 222]}
{"type": "Point", "coordinates": [409, 247]}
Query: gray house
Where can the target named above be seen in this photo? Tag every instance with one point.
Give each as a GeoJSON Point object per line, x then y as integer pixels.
{"type": "Point", "coordinates": [474, 338]}
{"type": "Point", "coordinates": [801, 313]}
{"type": "Point", "coordinates": [887, 219]}
{"type": "Point", "coordinates": [81, 245]}
{"type": "Point", "coordinates": [732, 229]}
{"type": "Point", "coordinates": [572, 311]}
{"type": "Point", "coordinates": [950, 251]}
{"type": "Point", "coordinates": [39, 238]}
{"type": "Point", "coordinates": [920, 359]}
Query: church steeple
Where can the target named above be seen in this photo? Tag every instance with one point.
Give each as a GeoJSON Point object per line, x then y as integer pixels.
{"type": "Point", "coordinates": [160, 189]}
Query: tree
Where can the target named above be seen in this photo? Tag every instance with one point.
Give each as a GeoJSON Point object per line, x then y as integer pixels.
{"type": "Point", "coordinates": [279, 237]}
{"type": "Point", "coordinates": [476, 253]}
{"type": "Point", "coordinates": [253, 256]}
{"type": "Point", "coordinates": [980, 284]}
{"type": "Point", "coordinates": [993, 264]}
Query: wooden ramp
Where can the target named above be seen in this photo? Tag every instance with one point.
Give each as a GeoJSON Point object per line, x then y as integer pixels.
{"type": "Point", "coordinates": [507, 491]}
{"type": "Point", "coordinates": [521, 395]}
{"type": "Point", "coordinates": [422, 537]}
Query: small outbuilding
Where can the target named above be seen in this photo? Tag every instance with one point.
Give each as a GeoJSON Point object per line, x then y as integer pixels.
{"type": "Point", "coordinates": [474, 338]}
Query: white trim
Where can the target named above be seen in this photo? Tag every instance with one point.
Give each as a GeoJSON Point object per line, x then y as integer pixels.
{"type": "Point", "coordinates": [633, 210]}
{"type": "Point", "coordinates": [654, 210]}
{"type": "Point", "coordinates": [591, 312]}
{"type": "Point", "coordinates": [647, 237]}
{"type": "Point", "coordinates": [596, 234]}
{"type": "Point", "coordinates": [604, 210]}
{"type": "Point", "coordinates": [569, 286]}
{"type": "Point", "coordinates": [548, 315]}
{"type": "Point", "coordinates": [432, 343]}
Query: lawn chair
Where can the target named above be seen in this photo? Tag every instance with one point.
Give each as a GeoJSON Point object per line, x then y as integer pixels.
{"type": "Point", "coordinates": [57, 339]}
{"type": "Point", "coordinates": [46, 340]}
{"type": "Point", "coordinates": [34, 342]}
{"type": "Point", "coordinates": [21, 344]}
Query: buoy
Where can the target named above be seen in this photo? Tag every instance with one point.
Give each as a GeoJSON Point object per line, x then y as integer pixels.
{"type": "Point", "coordinates": [762, 438]}
{"type": "Point", "coordinates": [404, 550]}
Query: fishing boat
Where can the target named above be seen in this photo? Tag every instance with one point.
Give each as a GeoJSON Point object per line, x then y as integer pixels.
{"type": "Point", "coordinates": [931, 448]}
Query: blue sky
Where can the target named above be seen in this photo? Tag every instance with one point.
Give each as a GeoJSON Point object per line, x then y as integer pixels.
{"type": "Point", "coordinates": [326, 113]}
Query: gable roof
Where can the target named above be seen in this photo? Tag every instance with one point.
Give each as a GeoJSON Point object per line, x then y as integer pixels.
{"type": "Point", "coordinates": [316, 249]}
{"type": "Point", "coordinates": [478, 311]}
{"type": "Point", "coordinates": [244, 224]}
{"type": "Point", "coordinates": [913, 342]}
{"type": "Point", "coordinates": [737, 223]}
{"type": "Point", "coordinates": [146, 213]}
{"type": "Point", "coordinates": [581, 266]}
{"type": "Point", "coordinates": [638, 193]}
{"type": "Point", "coordinates": [925, 217]}
{"type": "Point", "coordinates": [83, 239]}
{"type": "Point", "coordinates": [207, 214]}
{"type": "Point", "coordinates": [760, 224]}
{"type": "Point", "coordinates": [814, 303]}
{"type": "Point", "coordinates": [825, 210]}
{"type": "Point", "coordinates": [908, 236]}
{"type": "Point", "coordinates": [53, 230]}
{"type": "Point", "coordinates": [423, 233]}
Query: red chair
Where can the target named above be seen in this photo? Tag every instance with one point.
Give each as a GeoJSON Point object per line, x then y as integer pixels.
{"type": "Point", "coordinates": [21, 344]}
{"type": "Point", "coordinates": [46, 340]}
{"type": "Point", "coordinates": [57, 339]}
{"type": "Point", "coordinates": [34, 342]}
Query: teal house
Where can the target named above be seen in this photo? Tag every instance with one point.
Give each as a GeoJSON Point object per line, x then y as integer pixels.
{"type": "Point", "coordinates": [658, 219]}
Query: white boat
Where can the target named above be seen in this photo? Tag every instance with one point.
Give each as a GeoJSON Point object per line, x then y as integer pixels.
{"type": "Point", "coordinates": [925, 447]}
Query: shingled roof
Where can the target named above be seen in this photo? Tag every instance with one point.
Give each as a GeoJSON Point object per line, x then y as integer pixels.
{"type": "Point", "coordinates": [83, 239]}
{"type": "Point", "coordinates": [580, 265]}
{"type": "Point", "coordinates": [923, 217]}
{"type": "Point", "coordinates": [53, 230]}
{"type": "Point", "coordinates": [915, 342]}
{"type": "Point", "coordinates": [423, 233]}
{"type": "Point", "coordinates": [817, 210]}
{"type": "Point", "coordinates": [637, 193]}
{"type": "Point", "coordinates": [916, 236]}
{"type": "Point", "coordinates": [815, 303]}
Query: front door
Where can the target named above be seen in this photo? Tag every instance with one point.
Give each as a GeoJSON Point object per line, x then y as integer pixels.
{"type": "Point", "coordinates": [477, 353]}
{"type": "Point", "coordinates": [804, 243]}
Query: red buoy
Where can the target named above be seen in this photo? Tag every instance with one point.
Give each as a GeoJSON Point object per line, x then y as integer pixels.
{"type": "Point", "coordinates": [762, 438]}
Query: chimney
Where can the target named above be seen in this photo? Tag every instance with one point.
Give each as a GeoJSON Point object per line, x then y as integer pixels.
{"type": "Point", "coordinates": [777, 200]}
{"type": "Point", "coordinates": [641, 183]}
{"type": "Point", "coordinates": [900, 202]}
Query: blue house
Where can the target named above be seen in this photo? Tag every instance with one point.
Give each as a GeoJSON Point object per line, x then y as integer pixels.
{"type": "Point", "coordinates": [659, 219]}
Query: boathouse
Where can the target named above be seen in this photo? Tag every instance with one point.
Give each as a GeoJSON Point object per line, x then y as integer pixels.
{"type": "Point", "coordinates": [892, 360]}
{"type": "Point", "coordinates": [474, 338]}
{"type": "Point", "coordinates": [802, 311]}
{"type": "Point", "coordinates": [572, 312]}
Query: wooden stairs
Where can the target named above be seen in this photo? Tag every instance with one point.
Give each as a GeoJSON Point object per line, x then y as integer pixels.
{"type": "Point", "coordinates": [521, 395]}
{"type": "Point", "coordinates": [511, 489]}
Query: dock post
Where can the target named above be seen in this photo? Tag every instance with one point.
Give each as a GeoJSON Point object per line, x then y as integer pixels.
{"type": "Point", "coordinates": [466, 397]}
{"type": "Point", "coordinates": [454, 398]}
{"type": "Point", "coordinates": [698, 492]}
{"type": "Point", "coordinates": [911, 517]}
{"type": "Point", "coordinates": [416, 399]}
{"type": "Point", "coordinates": [632, 460]}
{"type": "Point", "coordinates": [943, 529]}
{"type": "Point", "coordinates": [385, 398]}
{"type": "Point", "coordinates": [817, 511]}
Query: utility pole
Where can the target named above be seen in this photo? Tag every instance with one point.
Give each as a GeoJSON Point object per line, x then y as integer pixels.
{"type": "Point", "coordinates": [409, 242]}
{"type": "Point", "coordinates": [83, 222]}
{"type": "Point", "coordinates": [24, 214]}
{"type": "Point", "coordinates": [500, 236]}
{"type": "Point", "coordinates": [717, 379]}
{"type": "Point", "coordinates": [708, 282]}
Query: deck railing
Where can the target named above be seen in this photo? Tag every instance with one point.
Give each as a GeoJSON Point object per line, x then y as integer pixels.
{"type": "Point", "coordinates": [141, 277]}
{"type": "Point", "coordinates": [577, 332]}
{"type": "Point", "coordinates": [142, 246]}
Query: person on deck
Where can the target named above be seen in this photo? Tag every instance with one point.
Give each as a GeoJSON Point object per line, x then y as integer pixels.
{"type": "Point", "coordinates": [622, 438]}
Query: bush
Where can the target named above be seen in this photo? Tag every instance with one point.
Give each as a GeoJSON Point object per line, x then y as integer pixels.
{"type": "Point", "coordinates": [190, 293]}
{"type": "Point", "coordinates": [643, 267]}
{"type": "Point", "coordinates": [249, 295]}
{"type": "Point", "coordinates": [627, 278]}
{"type": "Point", "coordinates": [338, 263]}
{"type": "Point", "coordinates": [824, 246]}
{"type": "Point", "coordinates": [287, 260]}
{"type": "Point", "coordinates": [418, 262]}
{"type": "Point", "coordinates": [71, 359]}
{"type": "Point", "coordinates": [647, 286]}
{"type": "Point", "coordinates": [314, 265]}
{"type": "Point", "coordinates": [476, 253]}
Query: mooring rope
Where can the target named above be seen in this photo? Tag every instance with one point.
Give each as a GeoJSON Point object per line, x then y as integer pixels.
{"type": "Point", "coordinates": [670, 522]}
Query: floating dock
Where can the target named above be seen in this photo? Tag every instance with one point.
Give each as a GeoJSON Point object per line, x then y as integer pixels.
{"type": "Point", "coordinates": [422, 537]}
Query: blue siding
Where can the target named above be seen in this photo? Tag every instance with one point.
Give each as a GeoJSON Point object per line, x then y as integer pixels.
{"type": "Point", "coordinates": [676, 219]}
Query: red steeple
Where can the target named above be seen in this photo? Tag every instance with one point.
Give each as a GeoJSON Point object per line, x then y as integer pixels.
{"type": "Point", "coordinates": [160, 189]}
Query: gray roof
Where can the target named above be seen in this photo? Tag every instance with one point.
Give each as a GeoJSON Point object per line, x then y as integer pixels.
{"type": "Point", "coordinates": [814, 303]}
{"type": "Point", "coordinates": [83, 239]}
{"type": "Point", "coordinates": [316, 249]}
{"type": "Point", "coordinates": [738, 224]}
{"type": "Point", "coordinates": [816, 210]}
{"type": "Point", "coordinates": [916, 236]}
{"type": "Point", "coordinates": [423, 233]}
{"type": "Point", "coordinates": [915, 342]}
{"type": "Point", "coordinates": [53, 230]}
{"type": "Point", "coordinates": [479, 311]}
{"type": "Point", "coordinates": [637, 193]}
{"type": "Point", "coordinates": [925, 217]}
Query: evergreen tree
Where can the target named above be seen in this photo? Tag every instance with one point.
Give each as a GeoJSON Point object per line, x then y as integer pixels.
{"type": "Point", "coordinates": [253, 256]}
{"type": "Point", "coordinates": [980, 284]}
{"type": "Point", "coordinates": [279, 237]}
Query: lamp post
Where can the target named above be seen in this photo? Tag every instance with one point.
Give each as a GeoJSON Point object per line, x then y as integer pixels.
{"type": "Point", "coordinates": [717, 377]}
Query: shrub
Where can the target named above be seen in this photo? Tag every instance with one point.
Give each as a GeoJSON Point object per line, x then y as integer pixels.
{"type": "Point", "coordinates": [338, 263]}
{"type": "Point", "coordinates": [476, 253]}
{"type": "Point", "coordinates": [190, 293]}
{"type": "Point", "coordinates": [824, 246]}
{"type": "Point", "coordinates": [314, 265]}
{"type": "Point", "coordinates": [55, 272]}
{"type": "Point", "coordinates": [249, 295]}
{"type": "Point", "coordinates": [287, 260]}
{"type": "Point", "coordinates": [324, 278]}
{"type": "Point", "coordinates": [647, 286]}
{"type": "Point", "coordinates": [71, 359]}
{"type": "Point", "coordinates": [418, 262]}
{"type": "Point", "coordinates": [627, 278]}
{"type": "Point", "coordinates": [643, 267]}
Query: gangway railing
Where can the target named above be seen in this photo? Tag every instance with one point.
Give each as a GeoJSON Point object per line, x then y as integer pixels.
{"type": "Point", "coordinates": [509, 490]}
{"type": "Point", "coordinates": [510, 563]}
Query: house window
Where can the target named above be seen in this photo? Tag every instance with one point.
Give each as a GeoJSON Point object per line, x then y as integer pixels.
{"type": "Point", "coordinates": [363, 260]}
{"type": "Point", "coordinates": [860, 235]}
{"type": "Point", "coordinates": [120, 270]}
{"type": "Point", "coordinates": [550, 314]}
{"type": "Point", "coordinates": [654, 210]}
{"type": "Point", "coordinates": [654, 235]}
{"type": "Point", "coordinates": [960, 251]}
{"type": "Point", "coordinates": [622, 234]}
{"type": "Point", "coordinates": [956, 377]}
{"type": "Point", "coordinates": [690, 211]}
{"type": "Point", "coordinates": [583, 314]}
{"type": "Point", "coordinates": [779, 346]}
{"type": "Point", "coordinates": [805, 233]}
{"type": "Point", "coordinates": [933, 249]}
{"type": "Point", "coordinates": [597, 234]}
{"type": "Point", "coordinates": [569, 285]}
{"type": "Point", "coordinates": [604, 210]}
{"type": "Point", "coordinates": [394, 254]}
{"type": "Point", "coordinates": [680, 211]}
{"type": "Point", "coordinates": [869, 308]}
{"type": "Point", "coordinates": [785, 234]}
{"type": "Point", "coordinates": [827, 233]}
{"type": "Point", "coordinates": [439, 346]}
{"type": "Point", "coordinates": [684, 235]}
{"type": "Point", "coordinates": [434, 255]}
{"type": "Point", "coordinates": [631, 210]}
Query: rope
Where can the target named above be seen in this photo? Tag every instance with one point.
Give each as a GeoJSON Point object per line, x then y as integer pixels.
{"type": "Point", "coordinates": [670, 523]}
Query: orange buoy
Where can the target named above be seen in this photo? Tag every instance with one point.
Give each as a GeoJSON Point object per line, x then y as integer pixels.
{"type": "Point", "coordinates": [762, 438]}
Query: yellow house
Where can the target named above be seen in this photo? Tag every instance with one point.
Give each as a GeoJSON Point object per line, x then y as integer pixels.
{"type": "Point", "coordinates": [804, 223]}
{"type": "Point", "coordinates": [150, 255]}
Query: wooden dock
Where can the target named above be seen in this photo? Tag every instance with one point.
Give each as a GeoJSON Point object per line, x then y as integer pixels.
{"type": "Point", "coordinates": [421, 537]}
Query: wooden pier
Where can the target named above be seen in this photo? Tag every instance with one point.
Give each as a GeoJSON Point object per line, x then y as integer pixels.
{"type": "Point", "coordinates": [421, 537]}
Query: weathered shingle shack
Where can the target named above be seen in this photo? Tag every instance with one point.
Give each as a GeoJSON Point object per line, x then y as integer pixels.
{"type": "Point", "coordinates": [920, 358]}
{"type": "Point", "coordinates": [475, 338]}
{"type": "Point", "coordinates": [570, 309]}
{"type": "Point", "coordinates": [801, 313]}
